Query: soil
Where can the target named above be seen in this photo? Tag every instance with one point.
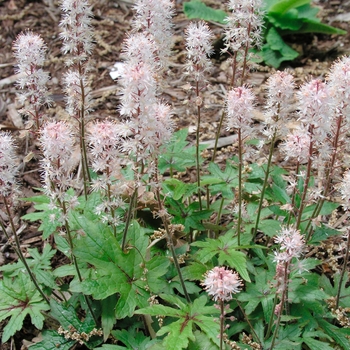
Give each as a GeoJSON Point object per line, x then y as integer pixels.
{"type": "Point", "coordinates": [111, 22]}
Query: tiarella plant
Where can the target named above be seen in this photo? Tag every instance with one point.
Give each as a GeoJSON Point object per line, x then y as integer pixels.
{"type": "Point", "coordinates": [148, 260]}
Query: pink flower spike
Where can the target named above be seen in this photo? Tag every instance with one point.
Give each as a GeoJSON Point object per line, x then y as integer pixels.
{"type": "Point", "coordinates": [221, 283]}
{"type": "Point", "coordinates": [345, 190]}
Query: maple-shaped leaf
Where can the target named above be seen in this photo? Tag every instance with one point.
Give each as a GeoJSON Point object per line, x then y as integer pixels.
{"type": "Point", "coordinates": [107, 270]}
{"type": "Point", "coordinates": [19, 298]}
{"type": "Point", "coordinates": [39, 264]}
{"type": "Point", "coordinates": [189, 316]}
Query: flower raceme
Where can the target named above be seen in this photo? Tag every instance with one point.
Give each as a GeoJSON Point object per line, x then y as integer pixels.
{"type": "Point", "coordinates": [221, 283]}
{"type": "Point", "coordinates": [8, 168]}
{"type": "Point", "coordinates": [199, 48]}
{"type": "Point", "coordinates": [29, 50]}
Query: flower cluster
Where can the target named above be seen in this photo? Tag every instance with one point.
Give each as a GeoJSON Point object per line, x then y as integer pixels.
{"type": "Point", "coordinates": [221, 283]}
{"type": "Point", "coordinates": [153, 18]}
{"type": "Point", "coordinates": [291, 244]}
{"type": "Point", "coordinates": [239, 108]}
{"type": "Point", "coordinates": [76, 30]}
{"type": "Point", "coordinates": [280, 96]}
{"type": "Point", "coordinates": [29, 50]}
{"type": "Point", "coordinates": [244, 24]}
{"type": "Point", "coordinates": [8, 167]}
{"type": "Point", "coordinates": [345, 190]}
{"type": "Point", "coordinates": [57, 143]}
{"type": "Point", "coordinates": [198, 45]}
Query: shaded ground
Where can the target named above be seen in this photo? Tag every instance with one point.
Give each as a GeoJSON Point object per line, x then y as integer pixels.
{"type": "Point", "coordinates": [112, 21]}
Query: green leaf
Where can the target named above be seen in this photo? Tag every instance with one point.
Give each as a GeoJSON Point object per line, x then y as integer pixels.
{"type": "Point", "coordinates": [314, 344]}
{"type": "Point", "coordinates": [53, 340]}
{"type": "Point", "coordinates": [197, 9]}
{"type": "Point", "coordinates": [340, 336]}
{"type": "Point", "coordinates": [19, 298]}
{"type": "Point", "coordinates": [310, 26]}
{"type": "Point", "coordinates": [282, 6]}
{"type": "Point", "coordinates": [321, 233]}
{"type": "Point", "coordinates": [108, 315]}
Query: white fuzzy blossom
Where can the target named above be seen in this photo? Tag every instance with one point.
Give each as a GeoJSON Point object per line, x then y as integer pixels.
{"type": "Point", "coordinates": [199, 48]}
{"type": "Point", "coordinates": [239, 109]}
{"type": "Point", "coordinates": [345, 190]}
{"type": "Point", "coordinates": [244, 24]}
{"type": "Point", "coordinates": [29, 50]}
{"type": "Point", "coordinates": [8, 166]}
{"type": "Point", "coordinates": [76, 30]}
{"type": "Point", "coordinates": [220, 283]}
{"type": "Point", "coordinates": [280, 96]}
{"type": "Point", "coordinates": [57, 144]}
{"type": "Point", "coordinates": [154, 18]}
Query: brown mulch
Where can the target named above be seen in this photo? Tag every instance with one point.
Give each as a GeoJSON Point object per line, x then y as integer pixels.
{"type": "Point", "coordinates": [111, 22]}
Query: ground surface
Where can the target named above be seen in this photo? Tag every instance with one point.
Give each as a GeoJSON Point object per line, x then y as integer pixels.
{"type": "Point", "coordinates": [112, 21]}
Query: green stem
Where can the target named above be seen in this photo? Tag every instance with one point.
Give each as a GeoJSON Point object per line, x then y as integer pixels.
{"type": "Point", "coordinates": [18, 250]}
{"type": "Point", "coordinates": [197, 149]}
{"type": "Point", "coordinates": [240, 164]}
{"type": "Point", "coordinates": [222, 323]}
{"type": "Point", "coordinates": [129, 216]}
{"type": "Point", "coordinates": [344, 269]}
{"type": "Point", "coordinates": [267, 173]}
{"type": "Point", "coordinates": [169, 236]}
{"type": "Point", "coordinates": [74, 260]}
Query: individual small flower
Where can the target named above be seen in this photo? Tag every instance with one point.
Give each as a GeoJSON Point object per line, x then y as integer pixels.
{"type": "Point", "coordinates": [296, 145]}
{"type": "Point", "coordinates": [199, 48]}
{"type": "Point", "coordinates": [29, 50]}
{"type": "Point", "coordinates": [8, 166]}
{"type": "Point", "coordinates": [221, 283]}
{"type": "Point", "coordinates": [345, 190]}
{"type": "Point", "coordinates": [76, 30]}
{"type": "Point", "coordinates": [244, 24]}
{"type": "Point", "coordinates": [239, 108]}
{"type": "Point", "coordinates": [154, 17]}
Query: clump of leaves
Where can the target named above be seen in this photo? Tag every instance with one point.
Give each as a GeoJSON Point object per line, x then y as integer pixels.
{"type": "Point", "coordinates": [282, 17]}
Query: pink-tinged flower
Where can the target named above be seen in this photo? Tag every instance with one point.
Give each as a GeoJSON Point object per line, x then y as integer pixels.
{"type": "Point", "coordinates": [239, 109]}
{"type": "Point", "coordinates": [221, 283]}
{"type": "Point", "coordinates": [104, 143]}
{"type": "Point", "coordinates": [345, 190]}
{"type": "Point", "coordinates": [140, 47]}
{"type": "Point", "coordinates": [339, 84]}
{"type": "Point", "coordinates": [154, 17]}
{"type": "Point", "coordinates": [8, 166]}
{"type": "Point", "coordinates": [139, 89]}
{"type": "Point", "coordinates": [280, 96]}
{"type": "Point", "coordinates": [29, 50]}
{"type": "Point", "coordinates": [57, 143]}
{"type": "Point", "coordinates": [296, 145]}
{"type": "Point", "coordinates": [244, 24]}
{"type": "Point", "coordinates": [199, 48]}
{"type": "Point", "coordinates": [291, 244]}
{"type": "Point", "coordinates": [76, 30]}
{"type": "Point", "coordinates": [314, 109]}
